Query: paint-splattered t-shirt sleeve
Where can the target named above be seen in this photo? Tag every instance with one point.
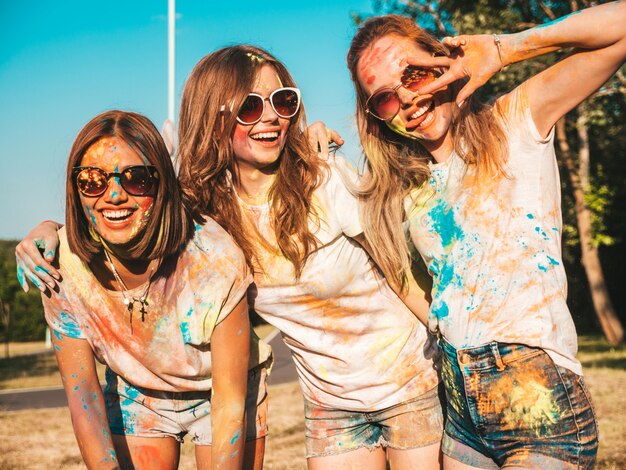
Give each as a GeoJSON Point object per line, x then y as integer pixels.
{"type": "Point", "coordinates": [343, 206]}
{"type": "Point", "coordinates": [218, 280]}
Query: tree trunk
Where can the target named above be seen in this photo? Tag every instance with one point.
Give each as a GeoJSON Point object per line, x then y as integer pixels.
{"type": "Point", "coordinates": [6, 320]}
{"type": "Point", "coordinates": [609, 322]}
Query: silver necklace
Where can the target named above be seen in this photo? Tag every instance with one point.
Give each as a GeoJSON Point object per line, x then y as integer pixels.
{"type": "Point", "coordinates": [130, 301]}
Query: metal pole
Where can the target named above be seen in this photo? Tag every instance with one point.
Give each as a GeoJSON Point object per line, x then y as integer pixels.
{"type": "Point", "coordinates": [171, 27]}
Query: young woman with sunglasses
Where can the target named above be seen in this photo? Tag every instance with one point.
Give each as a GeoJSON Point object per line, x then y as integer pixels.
{"type": "Point", "coordinates": [161, 304]}
{"type": "Point", "coordinates": [365, 363]}
{"type": "Point", "coordinates": [479, 188]}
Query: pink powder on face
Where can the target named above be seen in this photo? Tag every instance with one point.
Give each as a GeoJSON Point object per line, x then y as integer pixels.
{"type": "Point", "coordinates": [371, 79]}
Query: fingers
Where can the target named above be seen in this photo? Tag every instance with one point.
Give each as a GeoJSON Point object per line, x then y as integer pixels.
{"type": "Point", "coordinates": [321, 138]}
{"type": "Point", "coordinates": [454, 42]}
{"type": "Point", "coordinates": [33, 267]}
{"type": "Point", "coordinates": [24, 274]}
{"type": "Point", "coordinates": [430, 62]}
{"type": "Point", "coordinates": [442, 81]}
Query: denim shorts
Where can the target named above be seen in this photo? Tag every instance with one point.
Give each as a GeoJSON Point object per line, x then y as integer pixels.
{"type": "Point", "coordinates": [408, 425]}
{"type": "Point", "coordinates": [509, 404]}
{"type": "Point", "coordinates": [141, 412]}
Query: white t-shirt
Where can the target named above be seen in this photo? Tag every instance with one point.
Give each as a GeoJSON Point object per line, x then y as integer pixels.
{"type": "Point", "coordinates": [494, 247]}
{"type": "Point", "coordinates": [169, 350]}
{"type": "Point", "coordinates": [355, 344]}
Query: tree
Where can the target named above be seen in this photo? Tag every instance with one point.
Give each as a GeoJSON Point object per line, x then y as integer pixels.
{"type": "Point", "coordinates": [591, 191]}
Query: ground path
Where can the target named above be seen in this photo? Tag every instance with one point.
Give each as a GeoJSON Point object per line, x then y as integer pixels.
{"type": "Point", "coordinates": [51, 397]}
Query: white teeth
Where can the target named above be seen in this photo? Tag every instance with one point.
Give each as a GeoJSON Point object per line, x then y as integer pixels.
{"type": "Point", "coordinates": [420, 111]}
{"type": "Point", "coordinates": [116, 215]}
{"type": "Point", "coordinates": [265, 135]}
{"type": "Point", "coordinates": [427, 120]}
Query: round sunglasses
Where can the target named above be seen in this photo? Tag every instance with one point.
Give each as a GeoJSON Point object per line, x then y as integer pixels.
{"type": "Point", "coordinates": [136, 180]}
{"type": "Point", "coordinates": [385, 103]}
{"type": "Point", "coordinates": [284, 101]}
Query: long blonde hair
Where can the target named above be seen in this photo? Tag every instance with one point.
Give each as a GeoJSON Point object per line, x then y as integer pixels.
{"type": "Point", "coordinates": [395, 165]}
{"type": "Point", "coordinates": [218, 84]}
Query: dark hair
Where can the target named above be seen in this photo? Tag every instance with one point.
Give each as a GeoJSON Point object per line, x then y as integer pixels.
{"type": "Point", "coordinates": [170, 226]}
{"type": "Point", "coordinates": [219, 83]}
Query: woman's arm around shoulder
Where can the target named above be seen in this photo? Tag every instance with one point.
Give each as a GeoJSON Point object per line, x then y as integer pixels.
{"type": "Point", "coordinates": [85, 400]}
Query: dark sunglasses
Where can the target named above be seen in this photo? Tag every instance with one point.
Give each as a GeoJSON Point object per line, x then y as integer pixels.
{"type": "Point", "coordinates": [136, 180]}
{"type": "Point", "coordinates": [284, 101]}
{"type": "Point", "coordinates": [385, 103]}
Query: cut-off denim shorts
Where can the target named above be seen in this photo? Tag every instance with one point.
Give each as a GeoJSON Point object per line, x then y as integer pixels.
{"type": "Point", "coordinates": [141, 412]}
{"type": "Point", "coordinates": [408, 425]}
{"type": "Point", "coordinates": [510, 405]}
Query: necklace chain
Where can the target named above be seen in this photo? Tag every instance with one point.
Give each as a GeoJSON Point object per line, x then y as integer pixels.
{"type": "Point", "coordinates": [129, 301]}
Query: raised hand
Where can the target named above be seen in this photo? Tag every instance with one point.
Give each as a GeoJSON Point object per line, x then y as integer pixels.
{"type": "Point", "coordinates": [478, 57]}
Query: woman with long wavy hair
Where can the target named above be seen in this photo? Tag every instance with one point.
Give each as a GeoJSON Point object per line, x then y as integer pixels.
{"type": "Point", "coordinates": [478, 187]}
{"type": "Point", "coordinates": [365, 364]}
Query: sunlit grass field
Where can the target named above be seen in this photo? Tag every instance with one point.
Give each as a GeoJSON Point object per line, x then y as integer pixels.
{"type": "Point", "coordinates": [44, 438]}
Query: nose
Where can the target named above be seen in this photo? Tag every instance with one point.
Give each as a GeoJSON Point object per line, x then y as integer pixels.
{"type": "Point", "coordinates": [115, 194]}
{"type": "Point", "coordinates": [269, 115]}
{"type": "Point", "coordinates": [406, 97]}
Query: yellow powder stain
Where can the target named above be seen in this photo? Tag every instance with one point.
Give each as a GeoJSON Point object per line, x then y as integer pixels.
{"type": "Point", "coordinates": [531, 406]}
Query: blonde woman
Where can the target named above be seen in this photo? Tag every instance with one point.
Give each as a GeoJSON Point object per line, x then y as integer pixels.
{"type": "Point", "coordinates": [479, 187]}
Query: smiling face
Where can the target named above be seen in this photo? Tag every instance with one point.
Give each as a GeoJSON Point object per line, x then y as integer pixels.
{"type": "Point", "coordinates": [115, 215]}
{"type": "Point", "coordinates": [423, 117]}
{"type": "Point", "coordinates": [258, 146]}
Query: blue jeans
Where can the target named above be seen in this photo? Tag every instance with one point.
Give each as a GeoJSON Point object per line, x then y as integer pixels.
{"type": "Point", "coordinates": [509, 404]}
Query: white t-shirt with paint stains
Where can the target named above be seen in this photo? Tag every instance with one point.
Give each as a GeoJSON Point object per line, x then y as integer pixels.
{"type": "Point", "coordinates": [191, 294]}
{"type": "Point", "coordinates": [494, 247]}
{"type": "Point", "coordinates": [355, 344]}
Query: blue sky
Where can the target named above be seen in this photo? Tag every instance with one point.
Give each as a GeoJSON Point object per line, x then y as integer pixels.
{"type": "Point", "coordinates": [63, 62]}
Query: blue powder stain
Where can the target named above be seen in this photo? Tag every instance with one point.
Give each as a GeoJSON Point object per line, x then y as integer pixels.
{"type": "Point", "coordinates": [91, 215]}
{"type": "Point", "coordinates": [184, 328]}
{"type": "Point", "coordinates": [537, 229]}
{"type": "Point", "coordinates": [57, 347]}
{"type": "Point", "coordinates": [20, 275]}
{"type": "Point", "coordinates": [58, 335]}
{"type": "Point", "coordinates": [447, 275]}
{"type": "Point", "coordinates": [71, 326]}
{"type": "Point", "coordinates": [41, 269]}
{"type": "Point", "coordinates": [114, 194]}
{"type": "Point", "coordinates": [234, 439]}
{"type": "Point", "coordinates": [542, 268]}
{"type": "Point", "coordinates": [444, 223]}
{"type": "Point", "coordinates": [530, 216]}
{"type": "Point", "coordinates": [198, 227]}
{"type": "Point", "coordinates": [95, 396]}
{"type": "Point", "coordinates": [553, 261]}
{"type": "Point", "coordinates": [129, 421]}
{"type": "Point", "coordinates": [190, 312]}
{"type": "Point", "coordinates": [76, 388]}
{"type": "Point", "coordinates": [441, 311]}
{"type": "Point", "coordinates": [555, 229]}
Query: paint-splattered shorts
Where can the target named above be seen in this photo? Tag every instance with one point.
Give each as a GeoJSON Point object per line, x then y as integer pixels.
{"type": "Point", "coordinates": [409, 425]}
{"type": "Point", "coordinates": [510, 405]}
{"type": "Point", "coordinates": [135, 411]}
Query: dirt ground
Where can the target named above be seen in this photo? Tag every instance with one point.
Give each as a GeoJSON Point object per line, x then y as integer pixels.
{"type": "Point", "coordinates": [43, 439]}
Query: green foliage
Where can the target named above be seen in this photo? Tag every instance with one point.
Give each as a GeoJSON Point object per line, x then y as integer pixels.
{"type": "Point", "coordinates": [27, 323]}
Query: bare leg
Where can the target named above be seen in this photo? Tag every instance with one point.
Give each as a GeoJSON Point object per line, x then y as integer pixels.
{"type": "Point", "coordinates": [451, 464]}
{"type": "Point", "coordinates": [254, 453]}
{"type": "Point", "coordinates": [371, 459]}
{"type": "Point", "coordinates": [427, 458]}
{"type": "Point", "coordinates": [147, 453]}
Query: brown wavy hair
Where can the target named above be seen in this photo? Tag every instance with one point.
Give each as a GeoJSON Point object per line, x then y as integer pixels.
{"type": "Point", "coordinates": [169, 227]}
{"type": "Point", "coordinates": [395, 165]}
{"type": "Point", "coordinates": [218, 83]}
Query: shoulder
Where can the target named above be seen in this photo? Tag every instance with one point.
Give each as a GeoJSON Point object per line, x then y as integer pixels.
{"type": "Point", "coordinates": [214, 244]}
{"type": "Point", "coordinates": [514, 111]}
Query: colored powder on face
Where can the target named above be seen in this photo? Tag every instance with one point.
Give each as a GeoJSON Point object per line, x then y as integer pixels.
{"type": "Point", "coordinates": [371, 79]}
{"type": "Point", "coordinates": [91, 216]}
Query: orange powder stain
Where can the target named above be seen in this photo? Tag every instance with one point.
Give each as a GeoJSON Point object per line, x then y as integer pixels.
{"type": "Point", "coordinates": [371, 79]}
